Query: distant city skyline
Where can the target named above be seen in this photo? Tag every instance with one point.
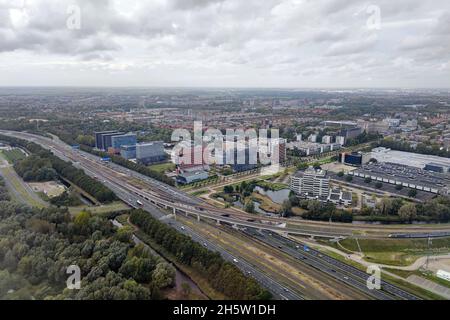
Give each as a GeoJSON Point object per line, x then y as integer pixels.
{"type": "Point", "coordinates": [300, 44]}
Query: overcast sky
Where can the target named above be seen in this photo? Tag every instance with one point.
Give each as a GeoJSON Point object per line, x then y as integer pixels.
{"type": "Point", "coordinates": [225, 43]}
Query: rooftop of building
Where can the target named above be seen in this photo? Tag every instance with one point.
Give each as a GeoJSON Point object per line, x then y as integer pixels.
{"type": "Point", "coordinates": [412, 175]}
{"type": "Point", "coordinates": [150, 143]}
{"type": "Point", "coordinates": [188, 174]}
{"type": "Point", "coordinates": [310, 170]}
{"type": "Point", "coordinates": [407, 158]}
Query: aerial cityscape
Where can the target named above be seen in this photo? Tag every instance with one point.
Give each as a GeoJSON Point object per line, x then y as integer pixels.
{"type": "Point", "coordinates": [180, 158]}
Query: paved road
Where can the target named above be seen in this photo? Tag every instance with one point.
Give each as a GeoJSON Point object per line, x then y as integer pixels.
{"type": "Point", "coordinates": [338, 269]}
{"type": "Point", "coordinates": [131, 198]}
{"type": "Point", "coordinates": [277, 289]}
{"type": "Point", "coordinates": [19, 190]}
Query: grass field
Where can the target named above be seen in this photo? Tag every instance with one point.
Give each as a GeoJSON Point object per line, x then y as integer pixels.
{"type": "Point", "coordinates": [265, 203]}
{"type": "Point", "coordinates": [163, 167]}
{"type": "Point", "coordinates": [420, 292]}
{"type": "Point", "coordinates": [13, 155]}
{"type": "Point", "coordinates": [103, 209]}
{"type": "Point", "coordinates": [271, 186]}
{"type": "Point", "coordinates": [397, 252]}
{"type": "Point", "coordinates": [198, 193]}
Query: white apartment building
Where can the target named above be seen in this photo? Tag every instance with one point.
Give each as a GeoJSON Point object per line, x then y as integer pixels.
{"type": "Point", "coordinates": [311, 184]}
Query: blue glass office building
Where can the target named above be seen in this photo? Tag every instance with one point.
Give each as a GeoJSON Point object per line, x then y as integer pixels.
{"type": "Point", "coordinates": [123, 140]}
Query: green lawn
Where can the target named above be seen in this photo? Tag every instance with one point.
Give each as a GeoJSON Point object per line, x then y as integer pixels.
{"type": "Point", "coordinates": [163, 167]}
{"type": "Point", "coordinates": [13, 155]}
{"type": "Point", "coordinates": [272, 186]}
{"type": "Point", "coordinates": [198, 193]}
{"type": "Point", "coordinates": [397, 252]}
{"type": "Point", "coordinates": [103, 209]}
{"type": "Point", "coordinates": [422, 293]}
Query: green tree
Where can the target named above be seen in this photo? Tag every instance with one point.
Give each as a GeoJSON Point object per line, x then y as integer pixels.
{"type": "Point", "coordinates": [408, 212]}
{"type": "Point", "coordinates": [228, 189]}
{"type": "Point", "coordinates": [164, 275]}
{"type": "Point", "coordinates": [286, 209]}
{"type": "Point", "coordinates": [412, 193]}
{"type": "Point", "coordinates": [249, 206]}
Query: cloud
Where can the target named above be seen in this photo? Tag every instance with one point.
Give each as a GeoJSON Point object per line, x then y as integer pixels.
{"type": "Point", "coordinates": [283, 41]}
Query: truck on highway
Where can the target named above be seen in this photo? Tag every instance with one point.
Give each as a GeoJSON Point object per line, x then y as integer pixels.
{"type": "Point", "coordinates": [305, 248]}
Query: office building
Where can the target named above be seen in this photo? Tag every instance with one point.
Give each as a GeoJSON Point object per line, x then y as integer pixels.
{"type": "Point", "coordinates": [350, 133]}
{"type": "Point", "coordinates": [107, 139]}
{"type": "Point", "coordinates": [340, 140]}
{"type": "Point", "coordinates": [99, 138]}
{"type": "Point", "coordinates": [340, 197]}
{"type": "Point", "coordinates": [128, 152]}
{"type": "Point", "coordinates": [150, 152]}
{"type": "Point", "coordinates": [339, 124]}
{"type": "Point", "coordinates": [311, 184]}
{"type": "Point", "coordinates": [312, 138]}
{"type": "Point", "coordinates": [278, 150]}
{"type": "Point", "coordinates": [310, 148]}
{"type": "Point", "coordinates": [354, 159]}
{"type": "Point", "coordinates": [128, 139]}
{"type": "Point", "coordinates": [393, 123]}
{"type": "Point", "coordinates": [326, 139]}
{"type": "Point", "coordinates": [239, 156]}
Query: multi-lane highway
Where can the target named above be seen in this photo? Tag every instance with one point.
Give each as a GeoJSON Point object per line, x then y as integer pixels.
{"type": "Point", "coordinates": [141, 191]}
{"type": "Point", "coordinates": [279, 290]}
{"type": "Point", "coordinates": [172, 198]}
{"type": "Point", "coordinates": [327, 264]}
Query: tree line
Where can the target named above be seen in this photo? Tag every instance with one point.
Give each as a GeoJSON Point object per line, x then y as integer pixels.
{"type": "Point", "coordinates": [69, 129]}
{"type": "Point", "coordinates": [223, 276]}
{"type": "Point", "coordinates": [47, 163]}
{"type": "Point", "coordinates": [37, 247]}
{"type": "Point", "coordinates": [140, 168]}
{"type": "Point", "coordinates": [399, 210]}
{"type": "Point", "coordinates": [421, 148]}
{"type": "Point", "coordinates": [4, 195]}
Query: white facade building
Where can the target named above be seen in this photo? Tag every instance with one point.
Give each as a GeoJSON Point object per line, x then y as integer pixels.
{"type": "Point", "coordinates": [311, 183]}
{"type": "Point", "coordinates": [340, 140]}
{"type": "Point", "coordinates": [326, 139]}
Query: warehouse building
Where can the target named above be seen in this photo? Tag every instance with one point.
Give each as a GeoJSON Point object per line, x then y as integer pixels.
{"type": "Point", "coordinates": [188, 177]}
{"type": "Point", "coordinates": [405, 176]}
{"type": "Point", "coordinates": [421, 161]}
